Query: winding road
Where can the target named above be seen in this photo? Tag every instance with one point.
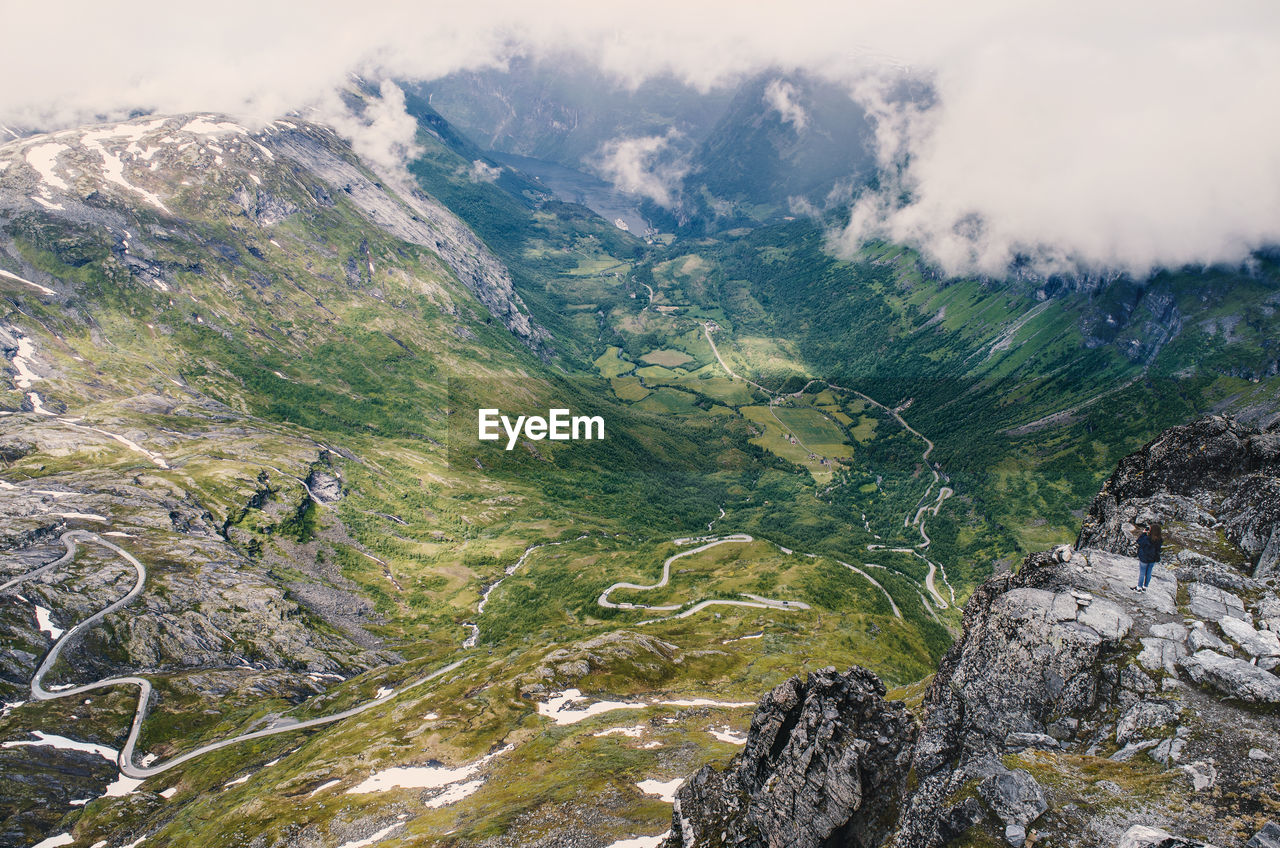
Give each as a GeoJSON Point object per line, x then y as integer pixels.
{"type": "Point", "coordinates": [922, 508]}
{"type": "Point", "coordinates": [757, 601]}
{"type": "Point", "coordinates": [125, 759]}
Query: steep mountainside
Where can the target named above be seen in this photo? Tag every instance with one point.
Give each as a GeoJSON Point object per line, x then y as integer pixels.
{"type": "Point", "coordinates": [1073, 710]}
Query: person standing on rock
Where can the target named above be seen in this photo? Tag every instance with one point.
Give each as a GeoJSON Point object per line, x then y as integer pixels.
{"type": "Point", "coordinates": [1149, 544]}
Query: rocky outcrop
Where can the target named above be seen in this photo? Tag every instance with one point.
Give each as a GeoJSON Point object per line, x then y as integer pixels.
{"type": "Point", "coordinates": [1063, 674]}
{"type": "Point", "coordinates": [1214, 474]}
{"type": "Point", "coordinates": [825, 764]}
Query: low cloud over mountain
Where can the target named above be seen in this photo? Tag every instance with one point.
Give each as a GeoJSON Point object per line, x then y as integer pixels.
{"type": "Point", "coordinates": [1066, 134]}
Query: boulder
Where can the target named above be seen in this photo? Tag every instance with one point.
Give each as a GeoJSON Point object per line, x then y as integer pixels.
{"type": "Point", "coordinates": [1014, 796]}
{"type": "Point", "coordinates": [1200, 638]}
{"type": "Point", "coordinates": [1268, 837]}
{"type": "Point", "coordinates": [1141, 717]}
{"type": "Point", "coordinates": [1161, 654]}
{"type": "Point", "coordinates": [1141, 836]}
{"type": "Point", "coordinates": [1255, 643]}
{"type": "Point", "coordinates": [1213, 603]}
{"type": "Point", "coordinates": [1232, 677]}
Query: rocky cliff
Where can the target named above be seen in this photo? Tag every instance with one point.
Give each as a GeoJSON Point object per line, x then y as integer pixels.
{"type": "Point", "coordinates": [1073, 710]}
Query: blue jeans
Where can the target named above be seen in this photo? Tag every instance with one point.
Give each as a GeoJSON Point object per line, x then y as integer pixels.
{"type": "Point", "coordinates": [1144, 573]}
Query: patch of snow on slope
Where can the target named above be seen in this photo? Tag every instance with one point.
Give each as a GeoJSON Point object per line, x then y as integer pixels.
{"type": "Point", "coordinates": [62, 743]}
{"type": "Point", "coordinates": [45, 623]}
{"type": "Point", "coordinates": [641, 841]}
{"type": "Point", "coordinates": [204, 126]}
{"type": "Point", "coordinates": [43, 157]}
{"type": "Point", "coordinates": [422, 777]}
{"type": "Point", "coordinates": [369, 840]}
{"type": "Point", "coordinates": [54, 841]}
{"type": "Point", "coordinates": [665, 790]}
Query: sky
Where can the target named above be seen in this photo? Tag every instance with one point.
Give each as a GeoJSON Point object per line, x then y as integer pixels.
{"type": "Point", "coordinates": [1073, 135]}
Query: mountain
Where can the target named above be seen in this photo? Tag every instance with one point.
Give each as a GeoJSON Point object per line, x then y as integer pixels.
{"type": "Point", "coordinates": [563, 111]}
{"type": "Point", "coordinates": [785, 141]}
{"type": "Point", "coordinates": [736, 155]}
{"type": "Point", "coordinates": [1072, 710]}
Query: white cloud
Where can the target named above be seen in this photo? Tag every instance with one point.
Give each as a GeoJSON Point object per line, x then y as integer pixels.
{"type": "Point", "coordinates": [381, 134]}
{"type": "Point", "coordinates": [781, 97]}
{"type": "Point", "coordinates": [636, 165]}
{"type": "Point", "coordinates": [1076, 131]}
{"type": "Point", "coordinates": [482, 172]}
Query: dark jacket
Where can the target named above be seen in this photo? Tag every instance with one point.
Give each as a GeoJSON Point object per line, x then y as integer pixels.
{"type": "Point", "coordinates": [1148, 550]}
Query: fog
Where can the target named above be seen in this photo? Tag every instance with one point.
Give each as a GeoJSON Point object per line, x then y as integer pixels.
{"type": "Point", "coordinates": [1067, 134]}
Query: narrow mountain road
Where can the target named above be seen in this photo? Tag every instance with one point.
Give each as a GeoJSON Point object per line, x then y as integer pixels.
{"type": "Point", "coordinates": [756, 600]}
{"type": "Point", "coordinates": [915, 518]}
{"type": "Point", "coordinates": [70, 540]}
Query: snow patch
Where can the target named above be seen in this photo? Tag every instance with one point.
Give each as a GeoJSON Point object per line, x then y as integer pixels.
{"type": "Point", "coordinates": [558, 709]}
{"type": "Point", "coordinates": [47, 204]}
{"type": "Point", "coordinates": [641, 841]}
{"type": "Point", "coordinates": [207, 127]}
{"type": "Point", "coordinates": [43, 157]}
{"type": "Point", "coordinates": [54, 841]}
{"type": "Point", "coordinates": [665, 790]}
{"type": "Point", "coordinates": [634, 732]}
{"type": "Point", "coordinates": [86, 516]}
{"type": "Point", "coordinates": [169, 793]}
{"type": "Point", "coordinates": [113, 172]}
{"type": "Point", "coordinates": [22, 359]}
{"type": "Point", "coordinates": [62, 743]}
{"type": "Point", "coordinates": [724, 734]}
{"type": "Point", "coordinates": [369, 840]}
{"type": "Point", "coordinates": [322, 787]}
{"type": "Point", "coordinates": [421, 777]}
{"type": "Point", "coordinates": [237, 781]}
{"type": "Point", "coordinates": [455, 793]}
{"type": "Point", "coordinates": [45, 623]}
{"type": "Point", "coordinates": [37, 405]}
{"type": "Point", "coordinates": [123, 786]}
{"type": "Point", "coordinates": [132, 445]}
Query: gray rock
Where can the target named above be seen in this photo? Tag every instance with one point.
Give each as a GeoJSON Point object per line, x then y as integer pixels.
{"type": "Point", "coordinates": [1064, 728]}
{"type": "Point", "coordinates": [1133, 749]}
{"type": "Point", "coordinates": [1111, 622]}
{"type": "Point", "coordinates": [1256, 643]}
{"type": "Point", "coordinates": [1142, 717]}
{"type": "Point", "coordinates": [1203, 775]}
{"type": "Point", "coordinates": [1172, 631]}
{"type": "Point", "coordinates": [1014, 796]}
{"type": "Point", "coordinates": [1259, 754]}
{"type": "Point", "coordinates": [1268, 611]}
{"type": "Point", "coordinates": [1015, 835]}
{"type": "Point", "coordinates": [823, 755]}
{"type": "Point", "coordinates": [1141, 836]}
{"type": "Point", "coordinates": [1210, 602]}
{"type": "Point", "coordinates": [325, 486]}
{"type": "Point", "coordinates": [1232, 677]}
{"type": "Point", "coordinates": [1022, 741]}
{"type": "Point", "coordinates": [1268, 837]}
{"type": "Point", "coordinates": [1200, 638]}
{"type": "Point", "coordinates": [1161, 654]}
